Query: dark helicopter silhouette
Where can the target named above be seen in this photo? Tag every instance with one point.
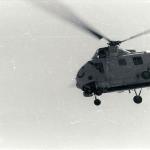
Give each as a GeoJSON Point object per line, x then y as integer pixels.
{"type": "Point", "coordinates": [111, 68]}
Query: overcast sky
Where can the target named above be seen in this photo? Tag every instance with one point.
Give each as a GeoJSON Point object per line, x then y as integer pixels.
{"type": "Point", "coordinates": [39, 58]}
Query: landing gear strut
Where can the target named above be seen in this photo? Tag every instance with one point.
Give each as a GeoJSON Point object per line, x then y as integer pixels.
{"type": "Point", "coordinates": [137, 98]}
{"type": "Point", "coordinates": [97, 102]}
{"type": "Point", "coordinates": [92, 90]}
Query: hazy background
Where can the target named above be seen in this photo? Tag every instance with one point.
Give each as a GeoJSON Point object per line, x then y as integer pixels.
{"type": "Point", "coordinates": [39, 58]}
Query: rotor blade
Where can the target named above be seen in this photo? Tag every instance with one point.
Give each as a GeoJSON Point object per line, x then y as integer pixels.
{"type": "Point", "coordinates": [63, 12]}
{"type": "Point", "coordinates": [137, 35]}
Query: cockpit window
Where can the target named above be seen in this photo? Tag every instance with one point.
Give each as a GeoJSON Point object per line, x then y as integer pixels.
{"type": "Point", "coordinates": [101, 53]}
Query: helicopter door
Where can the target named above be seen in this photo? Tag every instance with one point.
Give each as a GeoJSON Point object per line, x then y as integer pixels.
{"type": "Point", "coordinates": [119, 71]}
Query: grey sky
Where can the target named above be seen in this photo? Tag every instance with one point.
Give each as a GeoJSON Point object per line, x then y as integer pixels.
{"type": "Point", "coordinates": [39, 58]}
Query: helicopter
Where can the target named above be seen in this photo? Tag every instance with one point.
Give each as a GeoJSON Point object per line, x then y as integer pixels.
{"type": "Point", "coordinates": [112, 68]}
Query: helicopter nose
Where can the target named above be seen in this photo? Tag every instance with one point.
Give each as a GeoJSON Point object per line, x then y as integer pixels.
{"type": "Point", "coordinates": [80, 76]}
{"type": "Point", "coordinates": [84, 76]}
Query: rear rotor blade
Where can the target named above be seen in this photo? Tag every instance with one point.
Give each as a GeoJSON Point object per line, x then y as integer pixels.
{"type": "Point", "coordinates": [137, 35]}
{"type": "Point", "coordinates": [63, 12]}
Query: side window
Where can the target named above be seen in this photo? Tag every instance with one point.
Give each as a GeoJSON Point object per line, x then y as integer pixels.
{"type": "Point", "coordinates": [122, 62]}
{"type": "Point", "coordinates": [137, 60]}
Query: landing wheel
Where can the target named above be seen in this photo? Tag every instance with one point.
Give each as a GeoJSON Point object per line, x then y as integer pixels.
{"type": "Point", "coordinates": [137, 99]}
{"type": "Point", "coordinates": [97, 102]}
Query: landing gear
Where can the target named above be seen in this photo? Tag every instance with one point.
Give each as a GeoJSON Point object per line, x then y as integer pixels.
{"type": "Point", "coordinates": [137, 98]}
{"type": "Point", "coordinates": [87, 94]}
{"type": "Point", "coordinates": [97, 102]}
{"type": "Point", "coordinates": [87, 91]}
{"type": "Point", "coordinates": [90, 90]}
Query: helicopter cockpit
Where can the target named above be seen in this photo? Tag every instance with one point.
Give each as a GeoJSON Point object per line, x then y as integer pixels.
{"type": "Point", "coordinates": [109, 51]}
{"type": "Point", "coordinates": [101, 53]}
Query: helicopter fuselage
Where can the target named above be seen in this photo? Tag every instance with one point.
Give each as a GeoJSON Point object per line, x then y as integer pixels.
{"type": "Point", "coordinates": [113, 69]}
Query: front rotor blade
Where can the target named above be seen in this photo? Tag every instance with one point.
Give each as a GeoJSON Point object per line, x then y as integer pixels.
{"type": "Point", "coordinates": [63, 12]}
{"type": "Point", "coordinates": [137, 35]}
